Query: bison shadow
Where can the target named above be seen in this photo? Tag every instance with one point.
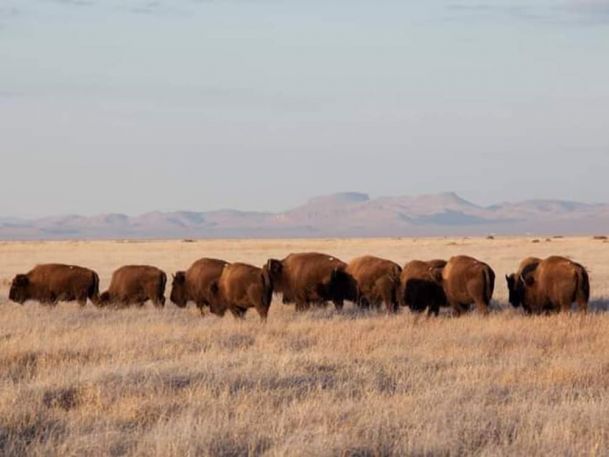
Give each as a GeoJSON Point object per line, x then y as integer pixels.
{"type": "Point", "coordinates": [599, 305]}
{"type": "Point", "coordinates": [349, 312]}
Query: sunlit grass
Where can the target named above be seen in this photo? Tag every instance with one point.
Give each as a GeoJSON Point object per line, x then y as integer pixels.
{"type": "Point", "coordinates": [170, 383]}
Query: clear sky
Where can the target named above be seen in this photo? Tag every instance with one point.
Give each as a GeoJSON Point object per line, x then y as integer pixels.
{"type": "Point", "coordinates": [130, 106]}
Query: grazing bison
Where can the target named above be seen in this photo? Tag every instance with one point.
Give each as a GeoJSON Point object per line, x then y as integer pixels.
{"type": "Point", "coordinates": [467, 281]}
{"type": "Point", "coordinates": [52, 283]}
{"type": "Point", "coordinates": [312, 278]}
{"type": "Point", "coordinates": [514, 288]}
{"type": "Point", "coordinates": [377, 282]}
{"type": "Point", "coordinates": [419, 288]}
{"type": "Point", "coordinates": [195, 283]}
{"type": "Point", "coordinates": [240, 287]}
{"type": "Point", "coordinates": [552, 284]}
{"type": "Point", "coordinates": [134, 285]}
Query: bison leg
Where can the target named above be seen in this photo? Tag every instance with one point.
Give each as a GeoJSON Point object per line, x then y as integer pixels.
{"type": "Point", "coordinates": [458, 309]}
{"type": "Point", "coordinates": [565, 306]}
{"type": "Point", "coordinates": [482, 307]}
{"type": "Point", "coordinates": [338, 304]}
{"type": "Point", "coordinates": [263, 312]}
{"type": "Point", "coordinates": [582, 306]}
{"type": "Point", "coordinates": [391, 303]}
{"type": "Point", "coordinates": [158, 302]}
{"type": "Point", "coordinates": [201, 306]}
{"type": "Point", "coordinates": [301, 306]}
{"type": "Point", "coordinates": [554, 310]}
{"type": "Point", "coordinates": [239, 313]}
{"type": "Point", "coordinates": [433, 310]}
{"type": "Point", "coordinates": [362, 302]}
{"type": "Point", "coordinates": [217, 311]}
{"type": "Point", "coordinates": [392, 307]}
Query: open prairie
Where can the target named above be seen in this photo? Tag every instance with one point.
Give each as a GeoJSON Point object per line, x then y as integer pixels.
{"type": "Point", "coordinates": [170, 383]}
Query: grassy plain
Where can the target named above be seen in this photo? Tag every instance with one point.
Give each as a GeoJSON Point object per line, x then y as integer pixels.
{"type": "Point", "coordinates": [170, 383]}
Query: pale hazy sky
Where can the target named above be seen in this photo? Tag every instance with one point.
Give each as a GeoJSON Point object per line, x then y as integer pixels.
{"type": "Point", "coordinates": [130, 106]}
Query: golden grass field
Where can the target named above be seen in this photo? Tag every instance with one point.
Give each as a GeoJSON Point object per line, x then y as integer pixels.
{"type": "Point", "coordinates": [167, 382]}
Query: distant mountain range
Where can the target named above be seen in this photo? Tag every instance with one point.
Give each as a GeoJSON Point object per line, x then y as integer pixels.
{"type": "Point", "coordinates": [339, 215]}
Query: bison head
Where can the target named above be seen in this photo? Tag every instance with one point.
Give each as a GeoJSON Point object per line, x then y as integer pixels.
{"type": "Point", "coordinates": [274, 268]}
{"type": "Point", "coordinates": [421, 293]}
{"type": "Point", "coordinates": [342, 286]}
{"type": "Point", "coordinates": [19, 289]}
{"type": "Point", "coordinates": [436, 273]}
{"type": "Point", "coordinates": [103, 300]}
{"type": "Point", "coordinates": [518, 284]}
{"type": "Point", "coordinates": [178, 289]}
{"type": "Point", "coordinates": [416, 294]}
{"type": "Point", "coordinates": [267, 281]}
{"type": "Point", "coordinates": [515, 285]}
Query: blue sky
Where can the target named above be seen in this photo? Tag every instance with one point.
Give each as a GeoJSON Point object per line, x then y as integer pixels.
{"type": "Point", "coordinates": [130, 106]}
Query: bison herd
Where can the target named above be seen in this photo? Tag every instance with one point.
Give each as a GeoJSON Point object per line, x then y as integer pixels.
{"type": "Point", "coordinates": [314, 279]}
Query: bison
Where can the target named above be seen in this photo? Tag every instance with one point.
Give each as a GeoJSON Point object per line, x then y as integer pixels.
{"type": "Point", "coordinates": [240, 287]}
{"type": "Point", "coordinates": [419, 288]}
{"type": "Point", "coordinates": [195, 283]}
{"type": "Point", "coordinates": [377, 282]}
{"type": "Point", "coordinates": [516, 291]}
{"type": "Point", "coordinates": [135, 284]}
{"type": "Point", "coordinates": [312, 278]}
{"type": "Point", "coordinates": [52, 283]}
{"type": "Point", "coordinates": [552, 284]}
{"type": "Point", "coordinates": [467, 281]}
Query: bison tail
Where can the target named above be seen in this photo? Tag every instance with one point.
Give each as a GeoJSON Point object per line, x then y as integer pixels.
{"type": "Point", "coordinates": [216, 305]}
{"type": "Point", "coordinates": [396, 290]}
{"type": "Point", "coordinates": [400, 291]}
{"type": "Point", "coordinates": [93, 292]}
{"type": "Point", "coordinates": [396, 274]}
{"type": "Point", "coordinates": [267, 288]}
{"type": "Point", "coordinates": [161, 285]}
{"type": "Point", "coordinates": [582, 292]}
{"type": "Point", "coordinates": [489, 287]}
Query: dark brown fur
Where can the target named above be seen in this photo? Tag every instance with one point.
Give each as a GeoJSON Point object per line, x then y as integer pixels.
{"type": "Point", "coordinates": [52, 283]}
{"type": "Point", "coordinates": [134, 285]}
{"type": "Point", "coordinates": [468, 281]}
{"type": "Point", "coordinates": [240, 287]}
{"type": "Point", "coordinates": [312, 278]}
{"type": "Point", "coordinates": [377, 281]}
{"type": "Point", "coordinates": [194, 283]}
{"type": "Point", "coordinates": [515, 287]}
{"type": "Point", "coordinates": [551, 285]}
{"type": "Point", "coordinates": [418, 286]}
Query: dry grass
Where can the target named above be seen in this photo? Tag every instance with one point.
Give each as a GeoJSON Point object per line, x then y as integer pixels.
{"type": "Point", "coordinates": [168, 383]}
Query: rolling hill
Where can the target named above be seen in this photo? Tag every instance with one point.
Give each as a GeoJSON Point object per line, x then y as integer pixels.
{"type": "Point", "coordinates": [336, 215]}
